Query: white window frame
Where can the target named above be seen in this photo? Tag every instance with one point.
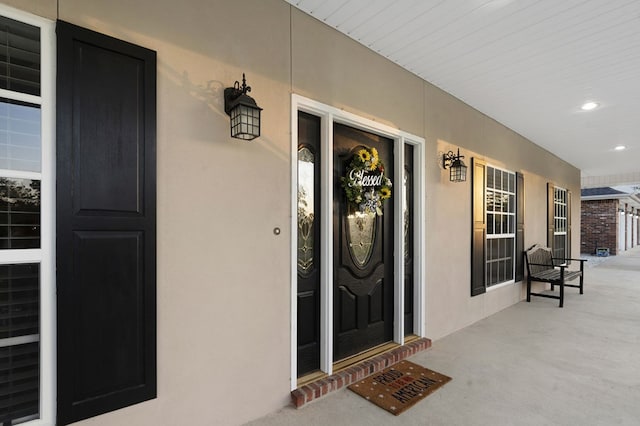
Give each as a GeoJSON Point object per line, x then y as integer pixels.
{"type": "Point", "coordinates": [45, 256]}
{"type": "Point", "coordinates": [329, 115]}
{"type": "Point", "coordinates": [503, 235]}
{"type": "Point", "coordinates": [560, 211]}
{"type": "Point", "coordinates": [621, 231]}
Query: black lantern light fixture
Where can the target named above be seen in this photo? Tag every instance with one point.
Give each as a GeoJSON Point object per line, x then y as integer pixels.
{"type": "Point", "coordinates": [243, 110]}
{"type": "Point", "coordinates": [457, 168]}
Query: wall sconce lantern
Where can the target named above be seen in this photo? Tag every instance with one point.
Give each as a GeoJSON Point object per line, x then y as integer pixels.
{"type": "Point", "coordinates": [457, 168]}
{"type": "Point", "coordinates": [243, 110]}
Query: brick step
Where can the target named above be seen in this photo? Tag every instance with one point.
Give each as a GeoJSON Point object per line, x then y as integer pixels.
{"type": "Point", "coordinates": [321, 387]}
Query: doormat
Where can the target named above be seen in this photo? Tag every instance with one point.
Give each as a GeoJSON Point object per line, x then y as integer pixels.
{"type": "Point", "coordinates": [399, 387]}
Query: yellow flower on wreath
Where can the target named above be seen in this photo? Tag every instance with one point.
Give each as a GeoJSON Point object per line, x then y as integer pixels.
{"type": "Point", "coordinates": [364, 155]}
{"type": "Point", "coordinates": [374, 159]}
{"type": "Point", "coordinates": [385, 193]}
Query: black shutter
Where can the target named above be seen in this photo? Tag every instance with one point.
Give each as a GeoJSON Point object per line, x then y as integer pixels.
{"type": "Point", "coordinates": [519, 226]}
{"type": "Point", "coordinates": [479, 229]}
{"type": "Point", "coordinates": [551, 223]}
{"type": "Point", "coordinates": [106, 223]}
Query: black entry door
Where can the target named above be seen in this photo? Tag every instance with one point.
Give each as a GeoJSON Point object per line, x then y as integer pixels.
{"type": "Point", "coordinates": [363, 254]}
{"type": "Point", "coordinates": [106, 224]}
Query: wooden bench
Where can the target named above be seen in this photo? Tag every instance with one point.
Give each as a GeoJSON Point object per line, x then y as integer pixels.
{"type": "Point", "coordinates": [543, 267]}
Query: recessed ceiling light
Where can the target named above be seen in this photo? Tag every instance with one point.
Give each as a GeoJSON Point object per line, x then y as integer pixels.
{"type": "Point", "coordinates": [589, 106]}
{"type": "Point", "coordinates": [620, 148]}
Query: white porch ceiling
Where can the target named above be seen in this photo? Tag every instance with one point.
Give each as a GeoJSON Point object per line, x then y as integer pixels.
{"type": "Point", "coordinates": [529, 64]}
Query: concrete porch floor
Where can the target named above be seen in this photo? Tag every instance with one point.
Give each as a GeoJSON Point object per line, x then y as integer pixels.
{"type": "Point", "coordinates": [530, 364]}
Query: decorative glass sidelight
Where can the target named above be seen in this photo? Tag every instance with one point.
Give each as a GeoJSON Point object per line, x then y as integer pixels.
{"type": "Point", "coordinates": [361, 231]}
{"type": "Point", "coordinates": [306, 211]}
{"type": "Point", "coordinates": [406, 212]}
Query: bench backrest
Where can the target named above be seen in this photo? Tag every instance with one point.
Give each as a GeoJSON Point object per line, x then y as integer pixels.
{"type": "Point", "coordinates": [541, 256]}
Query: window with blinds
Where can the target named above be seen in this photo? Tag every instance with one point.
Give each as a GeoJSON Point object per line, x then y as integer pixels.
{"type": "Point", "coordinates": [560, 222]}
{"type": "Point", "coordinates": [500, 208]}
{"type": "Point", "coordinates": [19, 57]}
{"type": "Point", "coordinates": [20, 221]}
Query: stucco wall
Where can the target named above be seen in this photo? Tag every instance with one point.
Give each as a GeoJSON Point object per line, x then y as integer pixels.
{"type": "Point", "coordinates": [223, 276]}
{"type": "Point", "coordinates": [451, 124]}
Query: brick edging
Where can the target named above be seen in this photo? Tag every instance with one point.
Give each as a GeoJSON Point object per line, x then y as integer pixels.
{"type": "Point", "coordinates": [322, 387]}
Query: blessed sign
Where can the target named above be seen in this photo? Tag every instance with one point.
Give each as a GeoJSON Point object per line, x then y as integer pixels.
{"type": "Point", "coordinates": [360, 178]}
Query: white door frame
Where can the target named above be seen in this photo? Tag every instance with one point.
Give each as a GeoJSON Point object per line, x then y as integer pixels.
{"type": "Point", "coordinates": [329, 115]}
{"type": "Point", "coordinates": [621, 231]}
{"type": "Point", "coordinates": [629, 230]}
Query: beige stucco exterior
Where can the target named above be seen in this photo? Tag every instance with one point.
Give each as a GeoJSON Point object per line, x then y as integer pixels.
{"type": "Point", "coordinates": [224, 284]}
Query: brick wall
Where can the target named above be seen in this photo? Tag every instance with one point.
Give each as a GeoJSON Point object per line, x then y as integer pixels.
{"type": "Point", "coordinates": [599, 225]}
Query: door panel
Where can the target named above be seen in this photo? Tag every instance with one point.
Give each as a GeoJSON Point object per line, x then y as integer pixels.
{"type": "Point", "coordinates": [363, 255]}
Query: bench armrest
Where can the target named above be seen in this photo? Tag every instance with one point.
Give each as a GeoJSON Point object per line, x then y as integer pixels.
{"type": "Point", "coordinates": [566, 258]}
{"type": "Point", "coordinates": [542, 264]}
{"type": "Point", "coordinates": [564, 264]}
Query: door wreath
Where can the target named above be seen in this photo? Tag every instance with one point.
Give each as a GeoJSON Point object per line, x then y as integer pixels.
{"type": "Point", "coordinates": [365, 184]}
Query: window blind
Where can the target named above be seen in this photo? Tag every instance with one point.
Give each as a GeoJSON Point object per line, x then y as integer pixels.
{"type": "Point", "coordinates": [19, 57]}
{"type": "Point", "coordinates": [19, 342]}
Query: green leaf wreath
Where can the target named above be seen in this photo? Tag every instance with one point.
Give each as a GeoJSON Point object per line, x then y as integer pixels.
{"type": "Point", "coordinates": [365, 184]}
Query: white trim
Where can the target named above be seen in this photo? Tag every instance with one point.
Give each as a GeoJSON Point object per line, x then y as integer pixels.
{"type": "Point", "coordinates": [22, 16]}
{"type": "Point", "coordinates": [500, 285]}
{"type": "Point", "coordinates": [293, 240]}
{"type": "Point", "coordinates": [22, 97]}
{"type": "Point", "coordinates": [420, 238]}
{"type": "Point", "coordinates": [19, 174]}
{"type": "Point", "coordinates": [499, 236]}
{"type": "Point", "coordinates": [47, 226]}
{"type": "Point", "coordinates": [329, 115]}
{"type": "Point", "coordinates": [502, 236]}
{"type": "Point", "coordinates": [14, 256]}
{"type": "Point", "coordinates": [19, 340]}
{"type": "Point", "coordinates": [326, 250]}
{"type": "Point", "coordinates": [398, 241]}
{"type": "Point", "coordinates": [46, 254]}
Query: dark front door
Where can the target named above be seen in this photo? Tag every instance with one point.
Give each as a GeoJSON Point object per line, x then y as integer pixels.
{"type": "Point", "coordinates": [363, 254]}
